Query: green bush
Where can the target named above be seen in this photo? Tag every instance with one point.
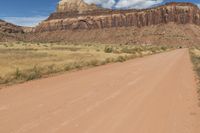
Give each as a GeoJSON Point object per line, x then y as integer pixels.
{"type": "Point", "coordinates": [108, 49]}
{"type": "Point", "coordinates": [33, 74]}
{"type": "Point", "coordinates": [17, 74]}
{"type": "Point", "coordinates": [163, 48]}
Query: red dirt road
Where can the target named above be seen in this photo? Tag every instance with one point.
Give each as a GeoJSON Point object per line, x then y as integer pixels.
{"type": "Point", "coordinates": [154, 94]}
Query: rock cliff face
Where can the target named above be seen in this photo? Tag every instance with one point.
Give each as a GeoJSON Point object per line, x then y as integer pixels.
{"type": "Point", "coordinates": [77, 15]}
{"type": "Point", "coordinates": [75, 21]}
{"type": "Point", "coordinates": [6, 27]}
{"type": "Point", "coordinates": [77, 6]}
{"type": "Point", "coordinates": [10, 32]}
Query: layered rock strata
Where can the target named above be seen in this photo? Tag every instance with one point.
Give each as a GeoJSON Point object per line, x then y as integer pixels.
{"type": "Point", "coordinates": [76, 17]}
{"type": "Point", "coordinates": [78, 6]}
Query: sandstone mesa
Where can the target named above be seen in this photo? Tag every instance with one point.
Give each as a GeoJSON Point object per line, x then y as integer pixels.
{"type": "Point", "coordinates": [75, 14]}
{"type": "Point", "coordinates": [77, 21]}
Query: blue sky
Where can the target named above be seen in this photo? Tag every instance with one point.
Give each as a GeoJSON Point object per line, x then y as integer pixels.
{"type": "Point", "coordinates": [31, 12]}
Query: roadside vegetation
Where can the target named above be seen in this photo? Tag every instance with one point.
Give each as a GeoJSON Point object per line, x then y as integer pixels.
{"type": "Point", "coordinates": [195, 57]}
{"type": "Point", "coordinates": [20, 61]}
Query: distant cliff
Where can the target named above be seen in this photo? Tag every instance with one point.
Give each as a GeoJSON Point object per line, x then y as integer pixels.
{"type": "Point", "coordinates": [6, 27]}
{"type": "Point", "coordinates": [77, 22]}
{"type": "Point", "coordinates": [92, 17]}
{"type": "Point", "coordinates": [10, 32]}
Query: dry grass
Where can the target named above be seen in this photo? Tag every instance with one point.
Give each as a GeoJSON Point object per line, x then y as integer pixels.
{"type": "Point", "coordinates": [21, 61]}
{"type": "Point", "coordinates": [195, 57]}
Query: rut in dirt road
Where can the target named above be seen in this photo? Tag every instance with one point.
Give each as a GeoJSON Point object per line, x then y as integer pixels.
{"type": "Point", "coordinates": [154, 94]}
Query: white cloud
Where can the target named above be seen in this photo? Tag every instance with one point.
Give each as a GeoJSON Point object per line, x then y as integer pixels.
{"type": "Point", "coordinates": [137, 3]}
{"type": "Point", "coordinates": [124, 3]}
{"type": "Point", "coordinates": [103, 3]}
{"type": "Point", "coordinates": [198, 5]}
{"type": "Point", "coordinates": [25, 21]}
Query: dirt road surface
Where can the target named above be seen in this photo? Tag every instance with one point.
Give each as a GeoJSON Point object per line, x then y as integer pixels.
{"type": "Point", "coordinates": [154, 94]}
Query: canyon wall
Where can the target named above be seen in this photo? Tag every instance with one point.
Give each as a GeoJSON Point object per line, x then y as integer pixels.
{"type": "Point", "coordinates": [67, 17]}
{"type": "Point", "coordinates": [78, 22]}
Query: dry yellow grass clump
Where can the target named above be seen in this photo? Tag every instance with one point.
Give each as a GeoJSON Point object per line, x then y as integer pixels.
{"type": "Point", "coordinates": [22, 61]}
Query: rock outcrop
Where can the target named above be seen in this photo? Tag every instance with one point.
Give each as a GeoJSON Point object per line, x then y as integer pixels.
{"type": "Point", "coordinates": [78, 6]}
{"type": "Point", "coordinates": [76, 15]}
{"type": "Point", "coordinates": [9, 28]}
{"type": "Point", "coordinates": [10, 32]}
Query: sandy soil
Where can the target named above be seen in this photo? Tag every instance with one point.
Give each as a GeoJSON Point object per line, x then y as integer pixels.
{"type": "Point", "coordinates": [154, 94]}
